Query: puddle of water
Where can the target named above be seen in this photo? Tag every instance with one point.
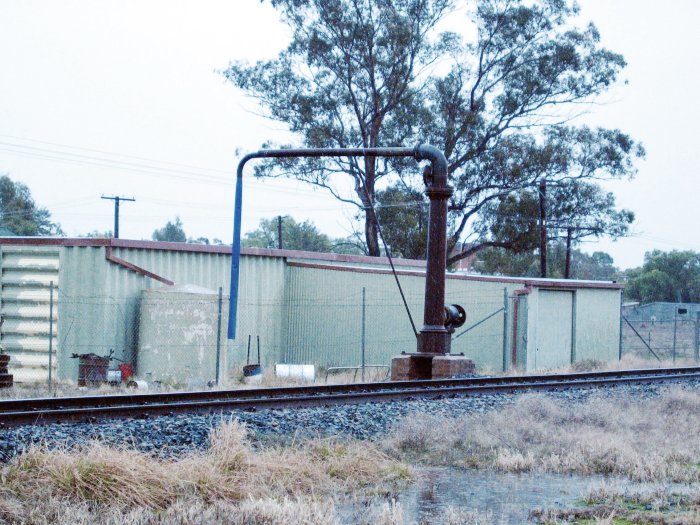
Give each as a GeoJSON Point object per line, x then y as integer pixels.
{"type": "Point", "coordinates": [505, 498]}
{"type": "Point", "coordinates": [508, 498]}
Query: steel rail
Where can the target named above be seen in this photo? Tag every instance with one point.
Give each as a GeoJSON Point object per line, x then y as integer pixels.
{"type": "Point", "coordinates": [92, 408]}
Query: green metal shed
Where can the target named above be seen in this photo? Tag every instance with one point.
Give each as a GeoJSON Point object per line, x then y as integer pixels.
{"type": "Point", "coordinates": [303, 307]}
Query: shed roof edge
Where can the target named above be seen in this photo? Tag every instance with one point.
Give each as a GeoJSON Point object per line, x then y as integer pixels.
{"type": "Point", "coordinates": [200, 248]}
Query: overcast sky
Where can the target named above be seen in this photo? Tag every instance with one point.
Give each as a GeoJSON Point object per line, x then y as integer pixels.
{"type": "Point", "coordinates": [125, 98]}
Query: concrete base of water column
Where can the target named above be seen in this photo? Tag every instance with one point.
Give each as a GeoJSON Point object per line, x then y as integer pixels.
{"type": "Point", "coordinates": [409, 367]}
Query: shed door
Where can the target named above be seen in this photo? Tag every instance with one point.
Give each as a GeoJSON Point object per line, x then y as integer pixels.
{"type": "Point", "coordinates": [554, 328]}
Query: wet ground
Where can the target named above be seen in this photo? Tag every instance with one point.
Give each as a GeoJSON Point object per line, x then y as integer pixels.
{"type": "Point", "coordinates": [507, 498]}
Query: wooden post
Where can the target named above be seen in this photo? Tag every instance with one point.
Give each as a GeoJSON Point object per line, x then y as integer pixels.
{"type": "Point", "coordinates": [543, 228]}
{"type": "Point", "coordinates": [567, 267]}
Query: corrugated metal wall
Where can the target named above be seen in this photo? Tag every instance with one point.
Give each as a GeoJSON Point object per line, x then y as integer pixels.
{"type": "Point", "coordinates": [100, 300]}
{"type": "Point", "coordinates": [302, 313]}
{"type": "Point", "coordinates": [324, 317]}
{"type": "Point", "coordinates": [24, 309]}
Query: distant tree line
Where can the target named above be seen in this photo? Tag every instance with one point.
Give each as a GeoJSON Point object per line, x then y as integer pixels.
{"type": "Point", "coordinates": [303, 236]}
{"type": "Point", "coordinates": [598, 266]}
{"type": "Point", "coordinates": [665, 276]}
{"type": "Point", "coordinates": [287, 233]}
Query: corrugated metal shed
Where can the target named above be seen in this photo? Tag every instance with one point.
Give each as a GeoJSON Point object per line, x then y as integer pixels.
{"type": "Point", "coordinates": [304, 307]}
{"type": "Point", "coordinates": [568, 320]}
{"type": "Point", "coordinates": [25, 279]}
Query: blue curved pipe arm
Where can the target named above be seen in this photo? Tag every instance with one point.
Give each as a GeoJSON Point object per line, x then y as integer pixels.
{"type": "Point", "coordinates": [420, 152]}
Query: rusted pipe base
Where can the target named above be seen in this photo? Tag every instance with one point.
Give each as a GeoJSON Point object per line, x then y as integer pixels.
{"type": "Point", "coordinates": [447, 366]}
{"type": "Point", "coordinates": [434, 340]}
{"type": "Point", "coordinates": [410, 367]}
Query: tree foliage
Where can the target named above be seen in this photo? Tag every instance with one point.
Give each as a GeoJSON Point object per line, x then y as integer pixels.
{"type": "Point", "coordinates": [666, 276]}
{"type": "Point", "coordinates": [358, 73]}
{"type": "Point", "coordinates": [598, 266]}
{"type": "Point", "coordinates": [20, 214]}
{"type": "Point", "coordinates": [295, 236]}
{"type": "Point", "coordinates": [403, 215]}
{"type": "Point", "coordinates": [572, 207]}
{"type": "Point", "coordinates": [303, 236]}
{"type": "Point", "coordinates": [570, 160]}
{"type": "Point", "coordinates": [349, 78]}
{"type": "Point", "coordinates": [171, 232]}
{"type": "Point", "coordinates": [107, 234]}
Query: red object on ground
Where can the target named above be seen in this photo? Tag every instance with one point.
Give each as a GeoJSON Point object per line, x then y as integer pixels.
{"type": "Point", "coordinates": [127, 371]}
{"type": "Point", "coordinates": [92, 369]}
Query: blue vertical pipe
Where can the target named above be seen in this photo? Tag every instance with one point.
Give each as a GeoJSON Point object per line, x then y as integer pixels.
{"type": "Point", "coordinates": [236, 252]}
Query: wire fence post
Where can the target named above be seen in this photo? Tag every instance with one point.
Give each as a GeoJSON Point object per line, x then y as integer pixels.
{"type": "Point", "coordinates": [363, 332]}
{"type": "Point", "coordinates": [218, 336]}
{"type": "Point", "coordinates": [675, 326]}
{"type": "Point", "coordinates": [622, 314]}
{"type": "Point", "coordinates": [697, 336]}
{"type": "Point", "coordinates": [50, 335]}
{"type": "Point", "coordinates": [505, 329]}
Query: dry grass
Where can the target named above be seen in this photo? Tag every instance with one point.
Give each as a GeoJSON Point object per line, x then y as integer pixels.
{"type": "Point", "coordinates": [629, 505]}
{"type": "Point", "coordinates": [628, 362]}
{"type": "Point", "coordinates": [71, 388]}
{"type": "Point", "coordinates": [268, 511]}
{"type": "Point", "coordinates": [182, 512]}
{"type": "Point", "coordinates": [294, 484]}
{"type": "Point", "coordinates": [313, 482]}
{"type": "Point", "coordinates": [653, 439]}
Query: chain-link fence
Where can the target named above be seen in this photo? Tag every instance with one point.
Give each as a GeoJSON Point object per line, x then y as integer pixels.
{"type": "Point", "coordinates": [671, 337]}
{"type": "Point", "coordinates": [177, 337]}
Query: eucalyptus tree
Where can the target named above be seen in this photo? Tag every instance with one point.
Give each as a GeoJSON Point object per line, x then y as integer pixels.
{"type": "Point", "coordinates": [369, 73]}
{"type": "Point", "coordinates": [403, 215]}
{"type": "Point", "coordinates": [350, 77]}
{"type": "Point", "coordinates": [296, 236]}
{"type": "Point", "coordinates": [502, 111]}
{"type": "Point", "coordinates": [672, 276]}
{"type": "Point", "coordinates": [173, 231]}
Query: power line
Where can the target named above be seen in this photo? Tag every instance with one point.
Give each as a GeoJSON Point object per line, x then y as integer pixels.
{"type": "Point", "coordinates": [148, 169]}
{"type": "Point", "coordinates": [114, 154]}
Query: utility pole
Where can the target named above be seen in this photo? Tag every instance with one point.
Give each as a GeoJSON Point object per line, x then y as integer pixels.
{"type": "Point", "coordinates": [543, 228]}
{"type": "Point", "coordinates": [567, 266]}
{"type": "Point", "coordinates": [116, 200]}
{"type": "Point", "coordinates": [279, 232]}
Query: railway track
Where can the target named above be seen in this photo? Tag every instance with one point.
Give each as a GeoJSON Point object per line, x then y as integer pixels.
{"type": "Point", "coordinates": [18, 412]}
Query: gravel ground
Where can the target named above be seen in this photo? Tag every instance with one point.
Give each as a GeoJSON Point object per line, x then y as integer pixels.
{"type": "Point", "coordinates": [168, 436]}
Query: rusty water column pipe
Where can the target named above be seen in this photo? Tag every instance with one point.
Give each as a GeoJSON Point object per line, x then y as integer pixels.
{"type": "Point", "coordinates": [434, 337]}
